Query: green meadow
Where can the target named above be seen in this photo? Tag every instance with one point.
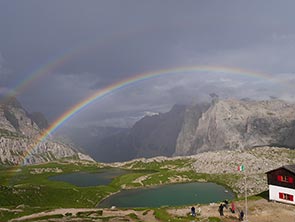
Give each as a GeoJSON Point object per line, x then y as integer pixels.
{"type": "Point", "coordinates": [29, 189]}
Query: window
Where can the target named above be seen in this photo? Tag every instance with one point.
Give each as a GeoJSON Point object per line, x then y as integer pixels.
{"type": "Point", "coordinates": [285, 196]}
{"type": "Point", "coordinates": [285, 179]}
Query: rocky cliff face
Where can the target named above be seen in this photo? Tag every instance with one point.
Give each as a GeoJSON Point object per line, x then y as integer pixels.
{"type": "Point", "coordinates": [156, 135]}
{"type": "Point", "coordinates": [151, 136]}
{"type": "Point", "coordinates": [237, 124]}
{"type": "Point", "coordinates": [186, 136]}
{"type": "Point", "coordinates": [18, 133]}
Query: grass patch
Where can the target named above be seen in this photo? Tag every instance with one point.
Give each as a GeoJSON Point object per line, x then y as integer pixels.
{"type": "Point", "coordinates": [133, 216]}
{"type": "Point", "coordinates": [262, 195]}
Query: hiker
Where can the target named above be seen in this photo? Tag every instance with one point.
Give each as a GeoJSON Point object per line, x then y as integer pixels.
{"type": "Point", "coordinates": [193, 211]}
{"type": "Point", "coordinates": [220, 209]}
{"type": "Point", "coordinates": [233, 207]}
{"type": "Point", "coordinates": [225, 203]}
{"type": "Point", "coordinates": [241, 217]}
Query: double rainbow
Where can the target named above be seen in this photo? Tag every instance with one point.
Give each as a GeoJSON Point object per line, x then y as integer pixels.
{"type": "Point", "coordinates": [115, 87]}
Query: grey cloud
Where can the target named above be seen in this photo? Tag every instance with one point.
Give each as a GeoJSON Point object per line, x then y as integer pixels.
{"type": "Point", "coordinates": [99, 43]}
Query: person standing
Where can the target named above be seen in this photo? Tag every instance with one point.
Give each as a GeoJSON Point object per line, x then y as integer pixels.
{"type": "Point", "coordinates": [233, 207]}
{"type": "Point", "coordinates": [193, 211]}
{"type": "Point", "coordinates": [241, 217]}
{"type": "Point", "coordinates": [220, 209]}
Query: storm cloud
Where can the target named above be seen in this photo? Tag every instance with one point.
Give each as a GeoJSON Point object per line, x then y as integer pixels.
{"type": "Point", "coordinates": [97, 43]}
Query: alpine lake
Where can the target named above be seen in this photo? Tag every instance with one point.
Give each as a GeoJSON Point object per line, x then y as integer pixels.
{"type": "Point", "coordinates": [156, 196]}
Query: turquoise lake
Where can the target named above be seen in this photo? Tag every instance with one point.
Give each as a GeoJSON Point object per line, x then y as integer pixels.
{"type": "Point", "coordinates": [169, 195]}
{"type": "Point", "coordinates": [85, 179]}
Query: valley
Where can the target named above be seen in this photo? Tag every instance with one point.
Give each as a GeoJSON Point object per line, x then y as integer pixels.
{"type": "Point", "coordinates": [28, 191]}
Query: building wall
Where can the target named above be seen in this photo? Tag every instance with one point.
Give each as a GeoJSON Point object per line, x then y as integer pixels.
{"type": "Point", "coordinates": [272, 178]}
{"type": "Point", "coordinates": [275, 190]}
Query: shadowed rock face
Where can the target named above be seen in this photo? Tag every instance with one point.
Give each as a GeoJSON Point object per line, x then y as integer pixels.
{"type": "Point", "coordinates": [156, 135]}
{"type": "Point", "coordinates": [237, 124]}
{"type": "Point", "coordinates": [186, 137]}
{"type": "Point", "coordinates": [18, 133]}
{"type": "Point", "coordinates": [151, 136]}
{"type": "Point", "coordinates": [39, 119]}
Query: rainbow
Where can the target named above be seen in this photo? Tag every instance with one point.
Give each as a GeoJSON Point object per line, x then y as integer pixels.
{"type": "Point", "coordinates": [59, 60]}
{"type": "Point", "coordinates": [41, 72]}
{"type": "Point", "coordinates": [115, 87]}
{"type": "Point", "coordinates": [53, 63]}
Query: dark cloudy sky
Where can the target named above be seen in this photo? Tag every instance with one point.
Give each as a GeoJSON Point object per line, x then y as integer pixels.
{"type": "Point", "coordinates": [107, 41]}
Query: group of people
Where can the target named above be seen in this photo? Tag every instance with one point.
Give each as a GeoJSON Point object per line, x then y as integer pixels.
{"type": "Point", "coordinates": [224, 204]}
{"type": "Point", "coordinates": [232, 209]}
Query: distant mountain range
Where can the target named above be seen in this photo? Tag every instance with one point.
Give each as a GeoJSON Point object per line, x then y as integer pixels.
{"type": "Point", "coordinates": [186, 130]}
{"type": "Point", "coordinates": [18, 132]}
{"type": "Point", "coordinates": [88, 139]}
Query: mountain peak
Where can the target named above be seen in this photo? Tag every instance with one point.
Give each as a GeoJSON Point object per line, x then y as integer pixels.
{"type": "Point", "coordinates": [11, 101]}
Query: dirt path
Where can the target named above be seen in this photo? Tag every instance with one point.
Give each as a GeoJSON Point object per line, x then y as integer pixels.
{"type": "Point", "coordinates": [62, 211]}
{"type": "Point", "coordinates": [258, 211]}
{"type": "Point", "coordinates": [142, 215]}
{"type": "Point", "coordinates": [117, 214]}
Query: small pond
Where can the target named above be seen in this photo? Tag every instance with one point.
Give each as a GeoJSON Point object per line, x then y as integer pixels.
{"type": "Point", "coordinates": [85, 179]}
{"type": "Point", "coordinates": [169, 195]}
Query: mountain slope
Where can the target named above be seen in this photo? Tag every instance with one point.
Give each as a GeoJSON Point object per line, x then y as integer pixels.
{"type": "Point", "coordinates": [151, 136]}
{"type": "Point", "coordinates": [18, 133]}
{"type": "Point", "coordinates": [237, 124]}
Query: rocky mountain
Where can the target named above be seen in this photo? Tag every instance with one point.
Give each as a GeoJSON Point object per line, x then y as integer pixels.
{"type": "Point", "coordinates": [237, 124]}
{"type": "Point", "coordinates": [151, 136]}
{"type": "Point", "coordinates": [18, 133]}
{"type": "Point", "coordinates": [156, 135]}
{"type": "Point", "coordinates": [222, 125]}
{"type": "Point", "coordinates": [185, 138]}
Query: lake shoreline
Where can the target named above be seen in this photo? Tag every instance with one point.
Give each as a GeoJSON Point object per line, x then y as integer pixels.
{"type": "Point", "coordinates": [176, 194]}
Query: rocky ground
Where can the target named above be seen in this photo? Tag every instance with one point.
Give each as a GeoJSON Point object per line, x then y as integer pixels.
{"type": "Point", "coordinates": [258, 211]}
{"type": "Point", "coordinates": [257, 162]}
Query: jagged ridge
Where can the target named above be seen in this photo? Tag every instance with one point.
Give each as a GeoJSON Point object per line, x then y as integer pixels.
{"type": "Point", "coordinates": [18, 133]}
{"type": "Point", "coordinates": [238, 124]}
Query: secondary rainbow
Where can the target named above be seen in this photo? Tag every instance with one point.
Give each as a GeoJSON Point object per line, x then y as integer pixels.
{"type": "Point", "coordinates": [57, 61]}
{"type": "Point", "coordinates": [42, 72]}
{"type": "Point", "coordinates": [110, 89]}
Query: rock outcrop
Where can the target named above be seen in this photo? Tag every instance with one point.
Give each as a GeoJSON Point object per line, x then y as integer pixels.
{"type": "Point", "coordinates": [186, 136]}
{"type": "Point", "coordinates": [237, 124]}
{"type": "Point", "coordinates": [18, 134]}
